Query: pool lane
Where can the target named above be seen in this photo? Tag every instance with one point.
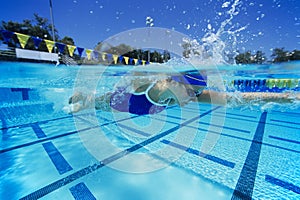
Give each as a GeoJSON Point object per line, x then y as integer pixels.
{"type": "Point", "coordinates": [263, 138]}
{"type": "Point", "coordinates": [87, 170]}
{"type": "Point", "coordinates": [246, 181]}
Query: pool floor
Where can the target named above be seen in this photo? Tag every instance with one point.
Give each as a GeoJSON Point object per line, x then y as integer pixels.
{"type": "Point", "coordinates": [253, 155]}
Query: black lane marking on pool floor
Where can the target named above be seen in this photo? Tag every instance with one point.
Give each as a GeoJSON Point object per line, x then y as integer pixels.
{"type": "Point", "coordinates": [235, 118]}
{"type": "Point", "coordinates": [238, 115]}
{"type": "Point", "coordinates": [43, 122]}
{"type": "Point", "coordinates": [59, 136]}
{"type": "Point", "coordinates": [287, 122]}
{"type": "Point", "coordinates": [284, 139]}
{"type": "Point", "coordinates": [38, 131]}
{"type": "Point", "coordinates": [284, 184]}
{"type": "Point", "coordinates": [85, 171]}
{"type": "Point", "coordinates": [80, 192]}
{"type": "Point", "coordinates": [244, 187]}
{"type": "Point", "coordinates": [200, 154]}
{"type": "Point", "coordinates": [24, 91]}
{"type": "Point", "coordinates": [40, 122]}
{"type": "Point", "coordinates": [57, 158]}
{"type": "Point", "coordinates": [226, 127]}
{"type": "Point", "coordinates": [244, 139]}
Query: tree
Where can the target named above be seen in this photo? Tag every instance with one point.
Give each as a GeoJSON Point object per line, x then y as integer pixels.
{"type": "Point", "coordinates": [280, 55]}
{"type": "Point", "coordinates": [243, 58]}
{"type": "Point", "coordinates": [38, 27]}
{"type": "Point", "coordinates": [295, 55]}
{"type": "Point", "coordinates": [259, 57]}
{"type": "Point", "coordinates": [248, 58]}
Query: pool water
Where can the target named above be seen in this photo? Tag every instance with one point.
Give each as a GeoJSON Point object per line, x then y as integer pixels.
{"type": "Point", "coordinates": [198, 151]}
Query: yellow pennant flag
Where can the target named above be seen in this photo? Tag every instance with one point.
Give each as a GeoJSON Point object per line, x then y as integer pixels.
{"type": "Point", "coordinates": [115, 57]}
{"type": "Point", "coordinates": [50, 45]}
{"type": "Point", "coordinates": [22, 39]}
{"type": "Point", "coordinates": [126, 60]}
{"type": "Point", "coordinates": [135, 61]}
{"type": "Point", "coordinates": [88, 53]}
{"type": "Point", "coordinates": [103, 56]}
{"type": "Point", "coordinates": [71, 49]}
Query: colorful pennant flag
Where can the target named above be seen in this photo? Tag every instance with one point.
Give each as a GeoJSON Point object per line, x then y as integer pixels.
{"type": "Point", "coordinates": [115, 57]}
{"type": "Point", "coordinates": [96, 54]}
{"type": "Point", "coordinates": [126, 60]}
{"type": "Point", "coordinates": [61, 47]}
{"type": "Point", "coordinates": [88, 53]}
{"type": "Point", "coordinates": [109, 57]}
{"type": "Point", "coordinates": [80, 50]}
{"type": "Point", "coordinates": [37, 41]}
{"type": "Point", "coordinates": [103, 56]}
{"type": "Point", "coordinates": [22, 39]}
{"type": "Point", "coordinates": [50, 45]}
{"type": "Point", "coordinates": [71, 50]}
{"type": "Point", "coordinates": [120, 59]}
{"type": "Point", "coordinates": [6, 35]}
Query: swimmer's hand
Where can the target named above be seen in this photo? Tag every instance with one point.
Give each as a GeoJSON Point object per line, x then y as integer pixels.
{"type": "Point", "coordinates": [72, 108]}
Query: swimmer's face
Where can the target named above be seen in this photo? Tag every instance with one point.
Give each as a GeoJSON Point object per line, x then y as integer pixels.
{"type": "Point", "coordinates": [170, 93]}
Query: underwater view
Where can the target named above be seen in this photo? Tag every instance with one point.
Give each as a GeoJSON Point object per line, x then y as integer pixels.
{"type": "Point", "coordinates": [150, 99]}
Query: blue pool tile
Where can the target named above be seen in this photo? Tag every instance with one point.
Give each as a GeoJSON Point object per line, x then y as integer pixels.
{"type": "Point", "coordinates": [238, 115]}
{"type": "Point", "coordinates": [286, 185]}
{"type": "Point", "coordinates": [58, 160]}
{"type": "Point", "coordinates": [174, 117]}
{"type": "Point", "coordinates": [236, 118]}
{"type": "Point", "coordinates": [24, 91]}
{"type": "Point", "coordinates": [134, 130]}
{"type": "Point", "coordinates": [226, 127]}
{"type": "Point", "coordinates": [287, 122]}
{"type": "Point", "coordinates": [38, 131]}
{"type": "Point", "coordinates": [72, 177]}
{"type": "Point", "coordinates": [284, 139]}
{"type": "Point", "coordinates": [201, 154]}
{"type": "Point", "coordinates": [245, 184]}
{"type": "Point", "coordinates": [81, 192]}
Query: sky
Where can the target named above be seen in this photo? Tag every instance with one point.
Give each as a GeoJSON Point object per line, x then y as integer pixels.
{"type": "Point", "coordinates": [267, 24]}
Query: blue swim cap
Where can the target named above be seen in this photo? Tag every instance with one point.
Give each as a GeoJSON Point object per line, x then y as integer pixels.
{"type": "Point", "coordinates": [191, 79]}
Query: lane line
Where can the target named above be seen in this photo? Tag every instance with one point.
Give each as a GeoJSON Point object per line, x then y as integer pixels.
{"type": "Point", "coordinates": [87, 170]}
{"type": "Point", "coordinates": [284, 184]}
{"type": "Point", "coordinates": [81, 191]}
{"type": "Point", "coordinates": [57, 158]}
{"type": "Point", "coordinates": [244, 187]}
{"type": "Point", "coordinates": [200, 154]}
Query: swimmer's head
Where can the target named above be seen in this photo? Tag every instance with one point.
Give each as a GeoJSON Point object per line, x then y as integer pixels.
{"type": "Point", "coordinates": [177, 90]}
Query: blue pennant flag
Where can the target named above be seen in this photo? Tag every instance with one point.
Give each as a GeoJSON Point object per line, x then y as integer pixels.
{"type": "Point", "coordinates": [96, 54]}
{"type": "Point", "coordinates": [130, 61]}
{"type": "Point", "coordinates": [36, 41]}
{"type": "Point", "coordinates": [120, 59]}
{"type": "Point", "coordinates": [109, 57]}
{"type": "Point", "coordinates": [80, 50]}
{"type": "Point", "coordinates": [6, 35]}
{"type": "Point", "coordinates": [61, 47]}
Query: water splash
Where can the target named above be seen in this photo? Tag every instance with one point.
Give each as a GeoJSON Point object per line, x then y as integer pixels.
{"type": "Point", "coordinates": [217, 47]}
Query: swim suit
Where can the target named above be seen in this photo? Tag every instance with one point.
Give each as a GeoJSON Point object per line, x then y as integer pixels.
{"type": "Point", "coordinates": [141, 104]}
{"type": "Point", "coordinates": [136, 104]}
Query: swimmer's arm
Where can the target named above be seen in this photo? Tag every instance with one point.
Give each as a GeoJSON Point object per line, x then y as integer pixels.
{"type": "Point", "coordinates": [80, 102]}
{"type": "Point", "coordinates": [221, 98]}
